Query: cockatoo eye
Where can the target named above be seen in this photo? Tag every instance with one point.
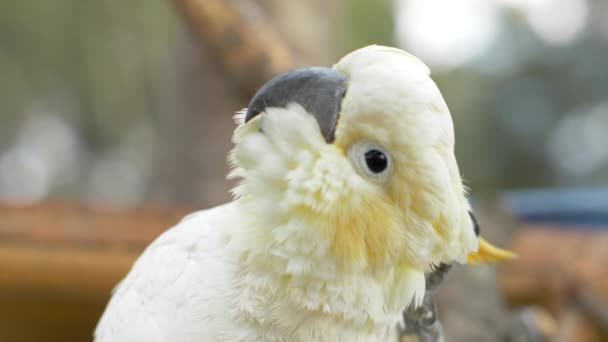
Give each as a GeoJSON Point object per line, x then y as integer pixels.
{"type": "Point", "coordinates": [371, 161]}
{"type": "Point", "coordinates": [376, 161]}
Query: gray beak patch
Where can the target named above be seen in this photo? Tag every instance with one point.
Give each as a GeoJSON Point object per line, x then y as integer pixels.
{"type": "Point", "coordinates": [318, 90]}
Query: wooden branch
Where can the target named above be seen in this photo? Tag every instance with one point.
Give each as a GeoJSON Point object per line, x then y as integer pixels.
{"type": "Point", "coordinates": [60, 261]}
{"type": "Point", "coordinates": [78, 225]}
{"type": "Point", "coordinates": [563, 270]}
{"type": "Point", "coordinates": [594, 307]}
{"type": "Point", "coordinates": [82, 273]}
{"type": "Point", "coordinates": [246, 48]}
{"type": "Point", "coordinates": [74, 248]}
{"type": "Point", "coordinates": [552, 266]}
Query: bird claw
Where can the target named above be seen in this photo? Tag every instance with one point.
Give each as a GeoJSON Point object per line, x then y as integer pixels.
{"type": "Point", "coordinates": [421, 321]}
{"type": "Point", "coordinates": [421, 316]}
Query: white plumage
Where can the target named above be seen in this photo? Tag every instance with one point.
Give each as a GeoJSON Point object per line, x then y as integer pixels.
{"type": "Point", "coordinates": [312, 248]}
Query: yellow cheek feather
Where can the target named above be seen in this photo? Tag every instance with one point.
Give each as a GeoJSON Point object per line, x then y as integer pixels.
{"type": "Point", "coordinates": [364, 225]}
{"type": "Point", "coordinates": [489, 253]}
{"type": "Point", "coordinates": [365, 235]}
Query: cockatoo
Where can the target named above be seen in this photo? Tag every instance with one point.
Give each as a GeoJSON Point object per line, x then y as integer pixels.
{"type": "Point", "coordinates": [349, 193]}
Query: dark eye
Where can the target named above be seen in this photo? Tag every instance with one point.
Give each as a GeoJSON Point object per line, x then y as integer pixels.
{"type": "Point", "coordinates": [371, 161]}
{"type": "Point", "coordinates": [376, 161]}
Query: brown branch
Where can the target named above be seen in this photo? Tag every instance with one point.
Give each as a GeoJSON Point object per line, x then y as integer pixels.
{"type": "Point", "coordinates": [594, 306]}
{"type": "Point", "coordinates": [60, 261]}
{"type": "Point", "coordinates": [73, 248]}
{"type": "Point", "coordinates": [553, 264]}
{"type": "Point", "coordinates": [246, 49]}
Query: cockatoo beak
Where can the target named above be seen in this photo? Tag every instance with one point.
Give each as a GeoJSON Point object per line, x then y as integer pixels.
{"type": "Point", "coordinates": [319, 90]}
{"type": "Point", "coordinates": [488, 253]}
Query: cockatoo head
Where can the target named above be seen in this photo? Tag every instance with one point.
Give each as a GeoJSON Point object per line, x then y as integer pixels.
{"type": "Point", "coordinates": [355, 164]}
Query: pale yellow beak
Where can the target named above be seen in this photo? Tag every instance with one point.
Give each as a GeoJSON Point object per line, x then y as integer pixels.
{"type": "Point", "coordinates": [488, 253]}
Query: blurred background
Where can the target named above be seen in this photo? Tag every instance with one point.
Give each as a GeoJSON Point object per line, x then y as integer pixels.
{"type": "Point", "coordinates": [114, 114]}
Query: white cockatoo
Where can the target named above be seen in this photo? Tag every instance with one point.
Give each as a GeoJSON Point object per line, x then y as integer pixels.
{"type": "Point", "coordinates": [349, 192]}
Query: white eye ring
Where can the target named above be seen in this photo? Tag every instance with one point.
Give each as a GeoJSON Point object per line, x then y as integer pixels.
{"type": "Point", "coordinates": [371, 161]}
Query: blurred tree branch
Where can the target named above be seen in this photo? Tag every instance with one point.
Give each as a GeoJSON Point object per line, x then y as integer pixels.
{"type": "Point", "coordinates": [224, 53]}
{"type": "Point", "coordinates": [59, 263]}
{"type": "Point", "coordinates": [572, 284]}
{"type": "Point", "coordinates": [75, 248]}
{"type": "Point", "coordinates": [243, 45]}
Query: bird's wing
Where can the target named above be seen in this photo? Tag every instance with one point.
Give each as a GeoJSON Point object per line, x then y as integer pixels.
{"type": "Point", "coordinates": [176, 291]}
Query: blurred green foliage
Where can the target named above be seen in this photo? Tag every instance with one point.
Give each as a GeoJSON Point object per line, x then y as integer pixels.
{"type": "Point", "coordinates": [100, 59]}
{"type": "Point", "coordinates": [89, 79]}
{"type": "Point", "coordinates": [367, 22]}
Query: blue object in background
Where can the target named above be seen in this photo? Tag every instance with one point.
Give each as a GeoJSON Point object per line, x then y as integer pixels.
{"type": "Point", "coordinates": [571, 208]}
